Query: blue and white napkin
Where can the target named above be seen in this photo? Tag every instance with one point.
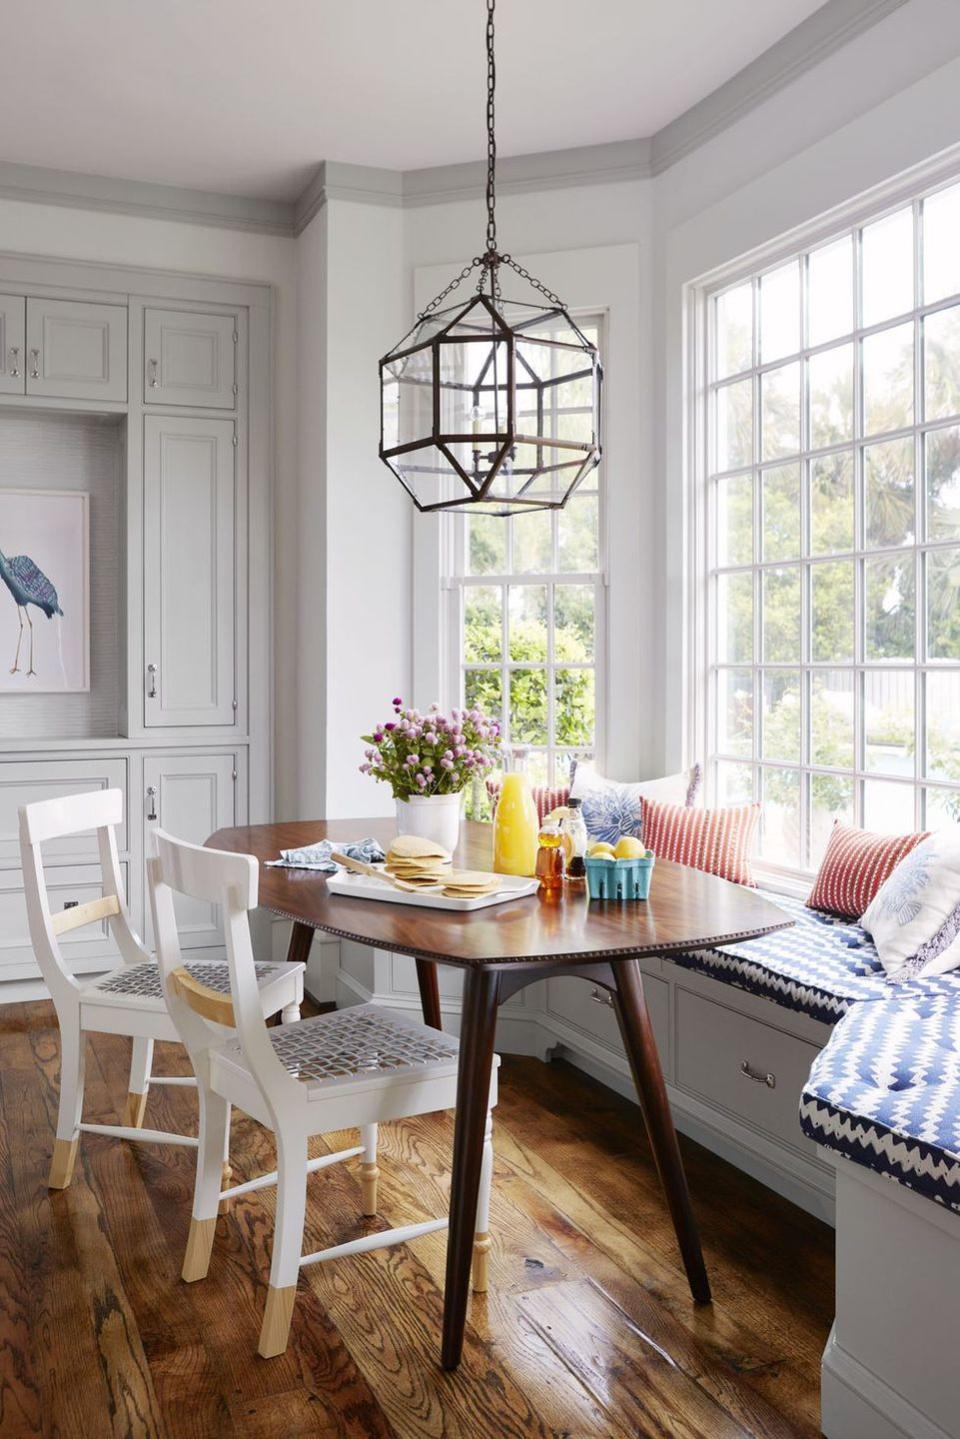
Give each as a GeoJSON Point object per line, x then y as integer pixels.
{"type": "Point", "coordinates": [317, 856]}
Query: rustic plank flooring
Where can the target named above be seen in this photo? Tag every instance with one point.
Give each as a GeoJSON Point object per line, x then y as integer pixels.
{"type": "Point", "coordinates": [588, 1329]}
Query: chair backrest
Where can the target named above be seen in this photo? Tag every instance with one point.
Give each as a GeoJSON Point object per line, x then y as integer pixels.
{"type": "Point", "coordinates": [55, 819]}
{"type": "Point", "coordinates": [199, 1012]}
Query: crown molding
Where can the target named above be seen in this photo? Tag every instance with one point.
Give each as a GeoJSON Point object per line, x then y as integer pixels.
{"type": "Point", "coordinates": [137, 197]}
{"type": "Point", "coordinates": [830, 27]}
{"type": "Point", "coordinates": [812, 41]}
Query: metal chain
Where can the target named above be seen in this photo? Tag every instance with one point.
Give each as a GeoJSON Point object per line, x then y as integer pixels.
{"type": "Point", "coordinates": [437, 300]}
{"type": "Point", "coordinates": [491, 133]}
{"type": "Point", "coordinates": [531, 279]}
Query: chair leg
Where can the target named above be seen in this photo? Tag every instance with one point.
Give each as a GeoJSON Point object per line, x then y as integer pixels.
{"type": "Point", "coordinates": [226, 1168]}
{"type": "Point", "coordinates": [369, 1171]}
{"type": "Point", "coordinates": [141, 1062]}
{"type": "Point", "coordinates": [214, 1126]}
{"type": "Point", "coordinates": [71, 1104]}
{"type": "Point", "coordinates": [481, 1237]}
{"type": "Point", "coordinates": [287, 1244]}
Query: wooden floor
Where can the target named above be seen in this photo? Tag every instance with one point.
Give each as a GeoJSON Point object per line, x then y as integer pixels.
{"type": "Point", "coordinates": [588, 1329]}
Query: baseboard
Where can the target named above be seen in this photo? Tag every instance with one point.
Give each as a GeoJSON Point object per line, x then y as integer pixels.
{"type": "Point", "coordinates": [857, 1404]}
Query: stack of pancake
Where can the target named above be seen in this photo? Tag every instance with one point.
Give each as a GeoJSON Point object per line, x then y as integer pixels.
{"type": "Point", "coordinates": [421, 866]}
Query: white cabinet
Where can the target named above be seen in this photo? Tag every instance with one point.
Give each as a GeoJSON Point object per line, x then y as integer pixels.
{"type": "Point", "coordinates": [189, 572]}
{"type": "Point", "coordinates": [29, 780]}
{"type": "Point", "coordinates": [13, 339]}
{"type": "Point", "coordinates": [190, 358]}
{"type": "Point", "coordinates": [76, 351]}
{"type": "Point", "coordinates": [191, 796]}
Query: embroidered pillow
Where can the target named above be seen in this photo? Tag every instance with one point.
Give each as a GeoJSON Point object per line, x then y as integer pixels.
{"type": "Point", "coordinates": [855, 865]}
{"type": "Point", "coordinates": [717, 840]}
{"type": "Point", "coordinates": [613, 808]}
{"type": "Point", "coordinates": [911, 910]}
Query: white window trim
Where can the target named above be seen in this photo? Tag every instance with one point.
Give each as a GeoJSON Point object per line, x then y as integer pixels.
{"type": "Point", "coordinates": [908, 188]}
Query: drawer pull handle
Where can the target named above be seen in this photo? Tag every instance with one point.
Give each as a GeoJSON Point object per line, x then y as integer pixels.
{"type": "Point", "coordinates": [599, 998]}
{"type": "Point", "coordinates": [770, 1080]}
{"type": "Point", "coordinates": [153, 368]}
{"type": "Point", "coordinates": [152, 798]}
{"type": "Point", "coordinates": [35, 362]}
{"type": "Point", "coordinates": [15, 361]}
{"type": "Point", "coordinates": [152, 691]}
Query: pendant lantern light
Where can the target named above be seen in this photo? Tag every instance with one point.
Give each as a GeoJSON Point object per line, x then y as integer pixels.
{"type": "Point", "coordinates": [491, 405]}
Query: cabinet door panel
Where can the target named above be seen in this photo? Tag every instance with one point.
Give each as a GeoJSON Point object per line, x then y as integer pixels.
{"type": "Point", "coordinates": [191, 796]}
{"type": "Point", "coordinates": [189, 571]}
{"type": "Point", "coordinates": [13, 339]}
{"type": "Point", "coordinates": [76, 351]}
{"type": "Point", "coordinates": [190, 359]}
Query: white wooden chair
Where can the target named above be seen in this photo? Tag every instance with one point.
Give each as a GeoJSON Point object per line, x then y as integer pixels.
{"type": "Point", "coordinates": [129, 999]}
{"type": "Point", "coordinates": [355, 1067]}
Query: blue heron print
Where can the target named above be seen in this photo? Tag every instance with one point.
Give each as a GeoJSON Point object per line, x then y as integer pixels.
{"type": "Point", "coordinates": [29, 586]}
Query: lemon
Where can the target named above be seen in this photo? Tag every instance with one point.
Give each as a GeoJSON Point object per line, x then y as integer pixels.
{"type": "Point", "coordinates": [600, 848]}
{"type": "Point", "coordinates": [629, 848]}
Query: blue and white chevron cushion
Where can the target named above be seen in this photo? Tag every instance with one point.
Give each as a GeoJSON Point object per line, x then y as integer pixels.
{"type": "Point", "coordinates": [820, 967]}
{"type": "Point", "coordinates": [885, 1092]}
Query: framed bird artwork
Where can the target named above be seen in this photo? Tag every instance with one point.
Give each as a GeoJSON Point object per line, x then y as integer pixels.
{"type": "Point", "coordinates": [45, 591]}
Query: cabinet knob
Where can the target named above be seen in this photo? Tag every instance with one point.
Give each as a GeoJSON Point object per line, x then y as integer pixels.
{"type": "Point", "coordinates": [35, 364]}
{"type": "Point", "coordinates": [152, 691]}
{"type": "Point", "coordinates": [757, 1075]}
{"type": "Point", "coordinates": [15, 370]}
{"type": "Point", "coordinates": [151, 801]}
{"type": "Point", "coordinates": [153, 375]}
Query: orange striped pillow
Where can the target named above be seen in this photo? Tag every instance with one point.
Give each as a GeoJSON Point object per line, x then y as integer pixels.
{"type": "Point", "coordinates": [855, 865]}
{"type": "Point", "coordinates": [716, 840]}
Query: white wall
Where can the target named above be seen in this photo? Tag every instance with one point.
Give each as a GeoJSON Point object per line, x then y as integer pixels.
{"type": "Point", "coordinates": [355, 521]}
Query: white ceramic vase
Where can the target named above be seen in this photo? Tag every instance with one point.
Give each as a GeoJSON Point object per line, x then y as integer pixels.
{"type": "Point", "coordinates": [432, 816]}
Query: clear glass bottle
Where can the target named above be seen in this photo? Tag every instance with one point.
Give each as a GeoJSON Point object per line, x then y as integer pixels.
{"type": "Point", "coordinates": [515, 824]}
{"type": "Point", "coordinates": [574, 837]}
{"type": "Point", "coordinates": [550, 860]}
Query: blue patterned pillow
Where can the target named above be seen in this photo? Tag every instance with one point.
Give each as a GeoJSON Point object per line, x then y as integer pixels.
{"type": "Point", "coordinates": [613, 808]}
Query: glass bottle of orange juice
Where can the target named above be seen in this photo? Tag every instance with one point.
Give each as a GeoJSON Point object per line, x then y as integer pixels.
{"type": "Point", "coordinates": [516, 827]}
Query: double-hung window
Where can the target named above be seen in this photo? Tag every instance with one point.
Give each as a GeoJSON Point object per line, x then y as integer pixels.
{"type": "Point", "coordinates": [832, 527]}
{"type": "Point", "coordinates": [527, 619]}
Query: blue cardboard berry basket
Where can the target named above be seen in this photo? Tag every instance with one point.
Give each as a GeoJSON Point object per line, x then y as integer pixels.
{"type": "Point", "coordinates": [620, 878]}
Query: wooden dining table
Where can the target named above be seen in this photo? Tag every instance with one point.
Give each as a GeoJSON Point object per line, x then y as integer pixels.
{"type": "Point", "coordinates": [501, 949]}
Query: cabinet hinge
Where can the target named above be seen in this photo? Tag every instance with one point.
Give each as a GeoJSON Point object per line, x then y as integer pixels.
{"type": "Point", "coordinates": [236, 337]}
{"type": "Point", "coordinates": [236, 389]}
{"type": "Point", "coordinates": [235, 440]}
{"type": "Point", "coordinates": [235, 705]}
{"type": "Point", "coordinates": [234, 776]}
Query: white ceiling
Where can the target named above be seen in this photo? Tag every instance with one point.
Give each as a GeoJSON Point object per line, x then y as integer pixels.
{"type": "Point", "coordinates": [246, 96]}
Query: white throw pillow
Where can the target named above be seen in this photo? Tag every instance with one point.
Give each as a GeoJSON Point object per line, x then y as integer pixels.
{"type": "Point", "coordinates": [910, 916]}
{"type": "Point", "coordinates": [613, 808]}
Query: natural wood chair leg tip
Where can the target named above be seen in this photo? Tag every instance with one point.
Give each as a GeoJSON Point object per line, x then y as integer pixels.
{"type": "Point", "coordinates": [369, 1183]}
{"type": "Point", "coordinates": [482, 1245]}
{"type": "Point", "coordinates": [62, 1163]}
{"type": "Point", "coordinates": [196, 1260]}
{"type": "Point", "coordinates": [277, 1316]}
{"type": "Point", "coordinates": [134, 1108]}
{"type": "Point", "coordinates": [226, 1173]}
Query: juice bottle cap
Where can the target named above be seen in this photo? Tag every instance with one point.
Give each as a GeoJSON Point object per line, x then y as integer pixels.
{"type": "Point", "coordinates": [574, 803]}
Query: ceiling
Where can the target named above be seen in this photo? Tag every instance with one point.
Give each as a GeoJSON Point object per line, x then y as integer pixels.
{"type": "Point", "coordinates": [246, 96]}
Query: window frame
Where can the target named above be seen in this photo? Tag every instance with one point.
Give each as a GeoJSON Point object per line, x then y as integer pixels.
{"type": "Point", "coordinates": [706, 671]}
{"type": "Point", "coordinates": [455, 581]}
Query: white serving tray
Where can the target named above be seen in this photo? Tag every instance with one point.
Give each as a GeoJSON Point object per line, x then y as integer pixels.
{"type": "Point", "coordinates": [364, 886]}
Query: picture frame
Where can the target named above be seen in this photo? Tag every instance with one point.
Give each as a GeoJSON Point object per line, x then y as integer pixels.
{"type": "Point", "coordinates": [44, 591]}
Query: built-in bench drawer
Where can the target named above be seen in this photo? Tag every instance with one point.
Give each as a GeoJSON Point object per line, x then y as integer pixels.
{"type": "Point", "coordinates": [753, 1070]}
{"type": "Point", "coordinates": [26, 782]}
{"type": "Point", "coordinates": [66, 885]}
{"type": "Point", "coordinates": [589, 1009]}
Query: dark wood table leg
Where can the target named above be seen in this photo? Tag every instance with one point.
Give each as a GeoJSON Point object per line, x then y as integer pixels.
{"type": "Point", "coordinates": [641, 1050]}
{"type": "Point", "coordinates": [301, 938]}
{"type": "Point", "coordinates": [478, 1026]}
{"type": "Point", "coordinates": [429, 993]}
